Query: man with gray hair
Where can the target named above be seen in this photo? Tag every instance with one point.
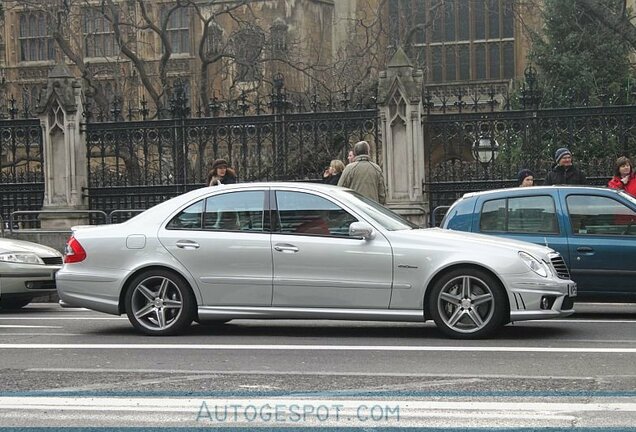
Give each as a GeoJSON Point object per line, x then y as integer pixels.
{"type": "Point", "coordinates": [364, 176]}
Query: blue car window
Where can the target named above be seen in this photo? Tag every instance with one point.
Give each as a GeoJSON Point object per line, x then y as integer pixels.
{"type": "Point", "coordinates": [532, 214]}
{"type": "Point", "coordinates": [597, 215]}
{"type": "Point", "coordinates": [493, 216]}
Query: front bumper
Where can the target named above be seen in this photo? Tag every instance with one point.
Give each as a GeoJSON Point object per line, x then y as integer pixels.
{"type": "Point", "coordinates": [27, 279]}
{"type": "Point", "coordinates": [532, 298]}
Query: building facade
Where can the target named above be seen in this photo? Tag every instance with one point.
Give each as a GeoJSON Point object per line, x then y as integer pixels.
{"type": "Point", "coordinates": [131, 50]}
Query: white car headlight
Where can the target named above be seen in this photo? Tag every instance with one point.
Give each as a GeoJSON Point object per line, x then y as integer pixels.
{"type": "Point", "coordinates": [534, 264]}
{"type": "Point", "coordinates": [21, 257]}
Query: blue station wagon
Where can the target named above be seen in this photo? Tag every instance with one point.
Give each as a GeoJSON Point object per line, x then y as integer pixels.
{"type": "Point", "coordinates": [594, 229]}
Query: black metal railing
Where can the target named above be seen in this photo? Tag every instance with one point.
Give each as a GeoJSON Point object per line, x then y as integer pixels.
{"type": "Point", "coordinates": [21, 161]}
{"type": "Point", "coordinates": [136, 164]}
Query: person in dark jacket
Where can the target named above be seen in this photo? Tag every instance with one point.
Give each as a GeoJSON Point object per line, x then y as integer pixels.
{"type": "Point", "coordinates": [221, 173]}
{"type": "Point", "coordinates": [564, 173]}
{"type": "Point", "coordinates": [624, 176]}
{"type": "Point", "coordinates": [333, 172]}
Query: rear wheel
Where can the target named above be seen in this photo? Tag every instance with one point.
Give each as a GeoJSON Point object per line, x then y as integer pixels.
{"type": "Point", "coordinates": [468, 304]}
{"type": "Point", "coordinates": [159, 302]}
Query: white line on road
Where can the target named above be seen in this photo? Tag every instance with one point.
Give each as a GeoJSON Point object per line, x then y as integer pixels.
{"type": "Point", "coordinates": [28, 326]}
{"type": "Point", "coordinates": [153, 404]}
{"type": "Point", "coordinates": [268, 372]}
{"type": "Point", "coordinates": [230, 347]}
{"type": "Point", "coordinates": [46, 318]}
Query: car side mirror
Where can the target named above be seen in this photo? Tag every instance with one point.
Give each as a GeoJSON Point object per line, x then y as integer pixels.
{"type": "Point", "coordinates": [361, 229]}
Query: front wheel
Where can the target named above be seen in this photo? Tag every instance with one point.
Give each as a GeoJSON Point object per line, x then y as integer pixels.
{"type": "Point", "coordinates": [159, 303]}
{"type": "Point", "coordinates": [468, 304]}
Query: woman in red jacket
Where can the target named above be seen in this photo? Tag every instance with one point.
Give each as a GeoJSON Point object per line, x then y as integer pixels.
{"type": "Point", "coordinates": [624, 176]}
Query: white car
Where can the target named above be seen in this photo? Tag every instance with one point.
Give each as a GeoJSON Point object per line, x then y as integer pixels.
{"type": "Point", "coordinates": [27, 270]}
{"type": "Point", "coordinates": [303, 250]}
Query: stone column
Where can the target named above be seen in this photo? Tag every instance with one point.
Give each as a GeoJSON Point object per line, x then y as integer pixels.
{"type": "Point", "coordinates": [64, 151]}
{"type": "Point", "coordinates": [400, 104]}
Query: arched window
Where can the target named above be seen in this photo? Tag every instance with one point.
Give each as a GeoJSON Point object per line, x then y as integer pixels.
{"type": "Point", "coordinates": [214, 41]}
{"type": "Point", "coordinates": [248, 45]}
{"type": "Point", "coordinates": [279, 37]}
{"type": "Point", "coordinates": [36, 44]}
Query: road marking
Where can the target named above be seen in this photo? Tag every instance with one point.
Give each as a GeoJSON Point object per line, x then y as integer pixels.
{"type": "Point", "coordinates": [408, 407]}
{"type": "Point", "coordinates": [220, 347]}
{"type": "Point", "coordinates": [9, 335]}
{"type": "Point", "coordinates": [45, 318]}
{"type": "Point", "coordinates": [97, 370]}
{"type": "Point", "coordinates": [28, 326]}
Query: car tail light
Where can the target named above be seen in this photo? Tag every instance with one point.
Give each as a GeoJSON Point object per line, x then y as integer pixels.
{"type": "Point", "coordinates": [73, 252]}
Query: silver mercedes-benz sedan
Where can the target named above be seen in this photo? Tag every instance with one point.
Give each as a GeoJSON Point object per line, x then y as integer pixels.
{"type": "Point", "coordinates": [310, 251]}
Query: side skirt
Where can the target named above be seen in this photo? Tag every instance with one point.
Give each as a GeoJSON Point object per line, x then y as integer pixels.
{"type": "Point", "coordinates": [238, 312]}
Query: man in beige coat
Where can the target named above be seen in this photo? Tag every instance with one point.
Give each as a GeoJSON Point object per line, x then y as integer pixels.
{"type": "Point", "coordinates": [364, 176]}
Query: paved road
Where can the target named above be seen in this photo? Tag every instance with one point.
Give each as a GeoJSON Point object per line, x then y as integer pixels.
{"type": "Point", "coordinates": [79, 368]}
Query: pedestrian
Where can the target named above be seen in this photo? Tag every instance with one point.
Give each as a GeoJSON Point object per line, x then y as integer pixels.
{"type": "Point", "coordinates": [564, 172]}
{"type": "Point", "coordinates": [364, 176]}
{"type": "Point", "coordinates": [350, 156]}
{"type": "Point", "coordinates": [333, 172]}
{"type": "Point", "coordinates": [624, 176]}
{"type": "Point", "coordinates": [221, 173]}
{"type": "Point", "coordinates": [525, 177]}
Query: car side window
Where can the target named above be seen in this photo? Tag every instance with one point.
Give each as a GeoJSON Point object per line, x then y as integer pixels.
{"type": "Point", "coordinates": [235, 211]}
{"type": "Point", "coordinates": [188, 219]}
{"type": "Point", "coordinates": [532, 214]}
{"type": "Point", "coordinates": [597, 215]}
{"type": "Point", "coordinates": [308, 214]}
{"type": "Point", "coordinates": [493, 216]}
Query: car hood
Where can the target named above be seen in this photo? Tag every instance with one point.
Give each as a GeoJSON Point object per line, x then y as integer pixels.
{"type": "Point", "coordinates": [428, 235]}
{"type": "Point", "coordinates": [11, 245]}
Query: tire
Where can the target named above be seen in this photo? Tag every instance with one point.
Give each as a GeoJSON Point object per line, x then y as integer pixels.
{"type": "Point", "coordinates": [159, 303]}
{"type": "Point", "coordinates": [14, 303]}
{"type": "Point", "coordinates": [468, 303]}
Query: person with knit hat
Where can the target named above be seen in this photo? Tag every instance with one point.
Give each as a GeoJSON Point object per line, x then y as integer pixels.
{"type": "Point", "coordinates": [564, 172]}
{"type": "Point", "coordinates": [221, 173]}
{"type": "Point", "coordinates": [526, 178]}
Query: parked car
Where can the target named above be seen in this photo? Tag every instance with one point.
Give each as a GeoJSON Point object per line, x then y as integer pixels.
{"type": "Point", "coordinates": [27, 270]}
{"type": "Point", "coordinates": [594, 230]}
{"type": "Point", "coordinates": [301, 250]}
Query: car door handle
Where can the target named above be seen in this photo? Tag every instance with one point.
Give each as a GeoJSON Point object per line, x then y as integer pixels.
{"type": "Point", "coordinates": [286, 248]}
{"type": "Point", "coordinates": [187, 244]}
{"type": "Point", "coordinates": [584, 249]}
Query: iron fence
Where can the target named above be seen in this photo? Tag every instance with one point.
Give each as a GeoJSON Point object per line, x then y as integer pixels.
{"type": "Point", "coordinates": [137, 163]}
{"type": "Point", "coordinates": [21, 160]}
{"type": "Point", "coordinates": [471, 146]}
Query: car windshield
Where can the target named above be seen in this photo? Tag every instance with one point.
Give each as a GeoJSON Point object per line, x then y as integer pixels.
{"type": "Point", "coordinates": [386, 218]}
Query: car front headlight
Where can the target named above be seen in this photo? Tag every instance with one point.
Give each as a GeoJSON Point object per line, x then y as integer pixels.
{"type": "Point", "coordinates": [21, 257]}
{"type": "Point", "coordinates": [534, 264]}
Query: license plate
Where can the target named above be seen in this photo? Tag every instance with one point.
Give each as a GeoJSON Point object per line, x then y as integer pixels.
{"type": "Point", "coordinates": [572, 290]}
